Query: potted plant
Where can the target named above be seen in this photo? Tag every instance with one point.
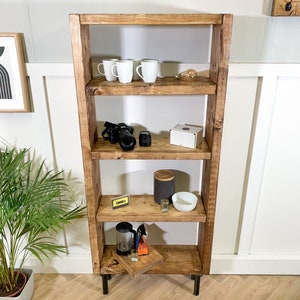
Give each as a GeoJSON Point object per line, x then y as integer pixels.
{"type": "Point", "coordinates": [34, 204]}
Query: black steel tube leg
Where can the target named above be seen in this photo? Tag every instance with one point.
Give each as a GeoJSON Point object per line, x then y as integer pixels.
{"type": "Point", "coordinates": [105, 278]}
{"type": "Point", "coordinates": [196, 284]}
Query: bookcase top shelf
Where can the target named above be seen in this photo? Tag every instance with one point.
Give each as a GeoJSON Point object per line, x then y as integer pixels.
{"type": "Point", "coordinates": [151, 19]}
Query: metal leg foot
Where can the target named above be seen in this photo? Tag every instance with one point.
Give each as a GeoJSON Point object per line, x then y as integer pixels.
{"type": "Point", "coordinates": [196, 278]}
{"type": "Point", "coordinates": [105, 278]}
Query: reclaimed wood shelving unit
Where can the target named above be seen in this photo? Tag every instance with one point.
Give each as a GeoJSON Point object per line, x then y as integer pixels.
{"type": "Point", "coordinates": [186, 259]}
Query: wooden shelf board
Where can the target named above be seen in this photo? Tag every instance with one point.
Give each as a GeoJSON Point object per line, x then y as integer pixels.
{"type": "Point", "coordinates": [143, 208]}
{"type": "Point", "coordinates": [144, 263]}
{"type": "Point", "coordinates": [150, 19]}
{"type": "Point", "coordinates": [160, 149]}
{"type": "Point", "coordinates": [182, 259]}
{"type": "Point", "coordinates": [163, 86]}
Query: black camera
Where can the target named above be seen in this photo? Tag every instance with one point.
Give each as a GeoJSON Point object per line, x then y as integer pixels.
{"type": "Point", "coordinates": [119, 133]}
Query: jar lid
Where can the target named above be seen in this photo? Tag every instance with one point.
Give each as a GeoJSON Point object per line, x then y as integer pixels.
{"type": "Point", "coordinates": [124, 227]}
{"type": "Point", "coordinates": [164, 175]}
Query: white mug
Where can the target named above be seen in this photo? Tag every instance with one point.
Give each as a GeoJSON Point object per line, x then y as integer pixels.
{"type": "Point", "coordinates": [107, 64]}
{"type": "Point", "coordinates": [149, 69]}
{"type": "Point", "coordinates": [124, 68]}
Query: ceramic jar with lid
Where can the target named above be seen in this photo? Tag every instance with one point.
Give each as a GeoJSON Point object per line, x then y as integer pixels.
{"type": "Point", "coordinates": [164, 185]}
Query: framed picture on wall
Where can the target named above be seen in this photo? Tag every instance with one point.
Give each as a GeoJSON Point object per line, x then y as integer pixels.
{"type": "Point", "coordinates": [14, 96]}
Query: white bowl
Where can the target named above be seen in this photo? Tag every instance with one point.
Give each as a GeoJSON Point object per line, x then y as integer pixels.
{"type": "Point", "coordinates": [184, 201]}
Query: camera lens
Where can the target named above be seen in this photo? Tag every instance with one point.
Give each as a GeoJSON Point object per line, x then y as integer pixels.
{"type": "Point", "coordinates": [127, 140]}
{"type": "Point", "coordinates": [145, 138]}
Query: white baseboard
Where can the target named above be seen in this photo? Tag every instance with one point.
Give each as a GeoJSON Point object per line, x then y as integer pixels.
{"type": "Point", "coordinates": [256, 264]}
{"type": "Point", "coordinates": [72, 263]}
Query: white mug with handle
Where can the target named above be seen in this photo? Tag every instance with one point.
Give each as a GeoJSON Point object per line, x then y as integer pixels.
{"type": "Point", "coordinates": [107, 64]}
{"type": "Point", "coordinates": [149, 68]}
{"type": "Point", "coordinates": [123, 69]}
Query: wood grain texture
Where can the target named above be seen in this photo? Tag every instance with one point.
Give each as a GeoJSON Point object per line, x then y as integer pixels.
{"type": "Point", "coordinates": [221, 38]}
{"type": "Point", "coordinates": [177, 259]}
{"type": "Point", "coordinates": [160, 149]}
{"type": "Point", "coordinates": [162, 86]}
{"type": "Point", "coordinates": [286, 8]}
{"type": "Point", "coordinates": [143, 208]}
{"type": "Point", "coordinates": [94, 149]}
{"type": "Point", "coordinates": [151, 19]}
{"type": "Point", "coordinates": [144, 263]}
{"type": "Point", "coordinates": [80, 38]}
{"type": "Point", "coordinates": [175, 287]}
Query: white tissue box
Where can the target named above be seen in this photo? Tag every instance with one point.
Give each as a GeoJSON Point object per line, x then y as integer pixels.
{"type": "Point", "coordinates": [186, 135]}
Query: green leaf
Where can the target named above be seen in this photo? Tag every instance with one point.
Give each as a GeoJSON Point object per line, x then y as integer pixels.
{"type": "Point", "coordinates": [34, 203]}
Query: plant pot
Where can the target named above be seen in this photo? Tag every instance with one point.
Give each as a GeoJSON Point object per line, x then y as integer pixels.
{"type": "Point", "coordinates": [27, 292]}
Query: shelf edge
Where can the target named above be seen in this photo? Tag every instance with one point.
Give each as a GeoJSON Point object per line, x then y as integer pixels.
{"type": "Point", "coordinates": [151, 19]}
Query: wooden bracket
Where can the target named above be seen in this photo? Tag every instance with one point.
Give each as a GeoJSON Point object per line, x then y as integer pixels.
{"type": "Point", "coordinates": [287, 8]}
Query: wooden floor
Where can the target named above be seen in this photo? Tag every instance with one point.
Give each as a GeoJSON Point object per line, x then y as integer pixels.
{"type": "Point", "coordinates": [148, 287]}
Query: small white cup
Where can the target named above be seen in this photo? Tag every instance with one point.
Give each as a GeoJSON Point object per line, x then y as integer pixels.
{"type": "Point", "coordinates": [124, 68]}
{"type": "Point", "coordinates": [149, 68]}
{"type": "Point", "coordinates": [107, 64]}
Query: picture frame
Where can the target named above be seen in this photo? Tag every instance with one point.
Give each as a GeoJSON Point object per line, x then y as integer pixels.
{"type": "Point", "coordinates": [14, 94]}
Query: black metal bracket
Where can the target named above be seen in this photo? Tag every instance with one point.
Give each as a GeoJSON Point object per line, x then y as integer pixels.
{"type": "Point", "coordinates": [196, 279]}
{"type": "Point", "coordinates": [105, 278]}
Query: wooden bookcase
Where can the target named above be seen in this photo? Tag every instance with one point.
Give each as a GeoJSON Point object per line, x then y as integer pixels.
{"type": "Point", "coordinates": [186, 259]}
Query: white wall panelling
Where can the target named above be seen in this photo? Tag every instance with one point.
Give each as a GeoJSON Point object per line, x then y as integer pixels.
{"type": "Point", "coordinates": [258, 129]}
{"type": "Point", "coordinates": [256, 204]}
{"type": "Point", "coordinates": [256, 36]}
{"type": "Point", "coordinates": [266, 242]}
